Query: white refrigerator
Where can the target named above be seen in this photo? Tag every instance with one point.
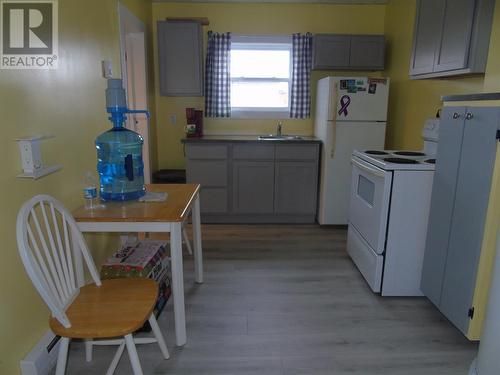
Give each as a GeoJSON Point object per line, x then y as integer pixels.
{"type": "Point", "coordinates": [351, 113]}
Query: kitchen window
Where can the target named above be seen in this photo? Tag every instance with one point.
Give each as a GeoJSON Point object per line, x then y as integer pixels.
{"type": "Point", "coordinates": [260, 76]}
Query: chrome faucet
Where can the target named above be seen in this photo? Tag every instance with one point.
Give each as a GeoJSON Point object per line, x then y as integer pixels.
{"type": "Point", "coordinates": [278, 128]}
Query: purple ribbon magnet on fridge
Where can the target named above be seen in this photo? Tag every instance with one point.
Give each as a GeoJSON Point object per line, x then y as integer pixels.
{"type": "Point", "coordinates": [344, 102]}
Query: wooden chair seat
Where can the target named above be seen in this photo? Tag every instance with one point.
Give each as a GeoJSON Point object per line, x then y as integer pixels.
{"type": "Point", "coordinates": [117, 308]}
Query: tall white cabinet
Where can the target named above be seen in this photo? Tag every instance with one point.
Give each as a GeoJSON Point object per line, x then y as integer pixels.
{"type": "Point", "coordinates": [460, 196]}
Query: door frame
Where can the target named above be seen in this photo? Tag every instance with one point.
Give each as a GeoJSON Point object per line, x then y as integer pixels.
{"type": "Point", "coordinates": [133, 34]}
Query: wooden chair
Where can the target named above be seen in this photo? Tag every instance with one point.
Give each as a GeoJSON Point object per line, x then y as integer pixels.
{"type": "Point", "coordinates": [53, 252]}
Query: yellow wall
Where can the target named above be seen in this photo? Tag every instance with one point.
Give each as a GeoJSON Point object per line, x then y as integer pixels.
{"type": "Point", "coordinates": [412, 101]}
{"type": "Point", "coordinates": [69, 103]}
{"type": "Point", "coordinates": [283, 19]}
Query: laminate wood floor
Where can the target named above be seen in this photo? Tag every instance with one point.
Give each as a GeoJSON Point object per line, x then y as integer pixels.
{"type": "Point", "coordinates": [287, 300]}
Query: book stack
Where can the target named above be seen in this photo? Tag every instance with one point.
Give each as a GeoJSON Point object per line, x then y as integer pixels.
{"type": "Point", "coordinates": [145, 258]}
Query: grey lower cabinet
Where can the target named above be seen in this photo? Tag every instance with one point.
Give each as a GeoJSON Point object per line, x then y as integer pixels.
{"type": "Point", "coordinates": [253, 187]}
{"type": "Point", "coordinates": [208, 166]}
{"type": "Point", "coordinates": [295, 187]}
{"type": "Point", "coordinates": [255, 182]}
{"type": "Point", "coordinates": [451, 37]}
{"type": "Point", "coordinates": [348, 52]}
{"type": "Point", "coordinates": [460, 196]}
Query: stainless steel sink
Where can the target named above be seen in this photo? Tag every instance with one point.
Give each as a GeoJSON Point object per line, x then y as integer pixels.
{"type": "Point", "coordinates": [273, 137]}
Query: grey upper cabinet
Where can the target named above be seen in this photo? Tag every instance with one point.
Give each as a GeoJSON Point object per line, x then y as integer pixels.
{"type": "Point", "coordinates": [453, 51]}
{"type": "Point", "coordinates": [427, 26]}
{"type": "Point", "coordinates": [180, 56]}
{"type": "Point", "coordinates": [367, 52]}
{"type": "Point", "coordinates": [348, 52]}
{"type": "Point", "coordinates": [460, 196]}
{"type": "Point", "coordinates": [451, 37]}
{"type": "Point", "coordinates": [331, 51]}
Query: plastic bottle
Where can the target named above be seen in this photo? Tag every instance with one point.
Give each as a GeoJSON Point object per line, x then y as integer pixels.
{"type": "Point", "coordinates": [119, 152]}
{"type": "Point", "coordinates": [120, 165]}
{"type": "Point", "coordinates": [90, 191]}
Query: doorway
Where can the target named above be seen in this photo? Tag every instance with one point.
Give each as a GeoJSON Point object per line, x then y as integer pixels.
{"type": "Point", "coordinates": [134, 75]}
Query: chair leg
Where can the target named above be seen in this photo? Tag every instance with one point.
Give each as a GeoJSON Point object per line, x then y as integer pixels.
{"type": "Point", "coordinates": [159, 337]}
{"type": "Point", "coordinates": [187, 242]}
{"type": "Point", "coordinates": [62, 356]}
{"type": "Point", "coordinates": [132, 353]}
{"type": "Point", "coordinates": [88, 350]}
{"type": "Point", "coordinates": [116, 359]}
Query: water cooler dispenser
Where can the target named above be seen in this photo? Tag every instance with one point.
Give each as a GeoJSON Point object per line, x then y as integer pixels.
{"type": "Point", "coordinates": [119, 151]}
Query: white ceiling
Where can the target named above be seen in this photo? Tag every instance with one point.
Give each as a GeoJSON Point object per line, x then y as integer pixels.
{"type": "Point", "coordinates": [278, 1]}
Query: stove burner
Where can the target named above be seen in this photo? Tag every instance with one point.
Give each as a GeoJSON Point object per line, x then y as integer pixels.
{"type": "Point", "coordinates": [431, 161]}
{"type": "Point", "coordinates": [401, 161]}
{"type": "Point", "coordinates": [409, 153]}
{"type": "Point", "coordinates": [375, 152]}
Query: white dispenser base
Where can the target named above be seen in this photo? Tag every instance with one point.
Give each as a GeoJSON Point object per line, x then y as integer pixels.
{"type": "Point", "coordinates": [31, 157]}
{"type": "Point", "coordinates": [40, 172]}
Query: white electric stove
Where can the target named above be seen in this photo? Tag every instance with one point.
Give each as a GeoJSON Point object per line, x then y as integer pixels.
{"type": "Point", "coordinates": [391, 160]}
{"type": "Point", "coordinates": [389, 209]}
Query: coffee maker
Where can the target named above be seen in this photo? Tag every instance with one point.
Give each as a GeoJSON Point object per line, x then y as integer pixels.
{"type": "Point", "coordinates": [194, 127]}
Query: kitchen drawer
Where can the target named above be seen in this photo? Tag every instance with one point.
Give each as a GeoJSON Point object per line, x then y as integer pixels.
{"type": "Point", "coordinates": [369, 263]}
{"type": "Point", "coordinates": [213, 200]}
{"type": "Point", "coordinates": [253, 152]}
{"type": "Point", "coordinates": [297, 152]}
{"type": "Point", "coordinates": [198, 151]}
{"type": "Point", "coordinates": [207, 172]}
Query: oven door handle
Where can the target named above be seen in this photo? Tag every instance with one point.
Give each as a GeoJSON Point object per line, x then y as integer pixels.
{"type": "Point", "coordinates": [368, 169]}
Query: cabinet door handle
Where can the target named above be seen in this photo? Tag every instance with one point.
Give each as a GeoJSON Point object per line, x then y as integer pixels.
{"type": "Point", "coordinates": [468, 116]}
{"type": "Point", "coordinates": [456, 115]}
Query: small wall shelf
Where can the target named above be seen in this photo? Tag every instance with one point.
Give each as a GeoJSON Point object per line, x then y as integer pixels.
{"type": "Point", "coordinates": [31, 157]}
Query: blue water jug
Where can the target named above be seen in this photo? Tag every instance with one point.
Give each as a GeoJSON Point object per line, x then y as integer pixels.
{"type": "Point", "coordinates": [119, 152]}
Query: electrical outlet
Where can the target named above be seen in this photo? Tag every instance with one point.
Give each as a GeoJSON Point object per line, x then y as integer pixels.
{"type": "Point", "coordinates": [107, 69]}
{"type": "Point", "coordinates": [173, 119]}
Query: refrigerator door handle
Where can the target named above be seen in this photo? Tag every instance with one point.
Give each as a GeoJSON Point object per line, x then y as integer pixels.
{"type": "Point", "coordinates": [332, 116]}
{"type": "Point", "coordinates": [333, 124]}
{"type": "Point", "coordinates": [332, 107]}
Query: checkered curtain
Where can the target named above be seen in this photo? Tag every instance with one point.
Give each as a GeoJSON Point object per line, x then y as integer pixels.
{"type": "Point", "coordinates": [300, 106]}
{"type": "Point", "coordinates": [217, 75]}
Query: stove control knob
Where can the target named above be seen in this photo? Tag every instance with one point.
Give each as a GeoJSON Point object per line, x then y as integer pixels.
{"type": "Point", "coordinates": [468, 116]}
{"type": "Point", "coordinates": [456, 115]}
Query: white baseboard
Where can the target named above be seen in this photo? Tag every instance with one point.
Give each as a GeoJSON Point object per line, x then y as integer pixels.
{"type": "Point", "coordinates": [43, 357]}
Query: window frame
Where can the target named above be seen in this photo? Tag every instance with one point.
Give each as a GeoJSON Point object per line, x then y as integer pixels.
{"type": "Point", "coordinates": [263, 42]}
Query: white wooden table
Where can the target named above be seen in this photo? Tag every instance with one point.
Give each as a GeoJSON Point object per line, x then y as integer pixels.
{"type": "Point", "coordinates": [159, 217]}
